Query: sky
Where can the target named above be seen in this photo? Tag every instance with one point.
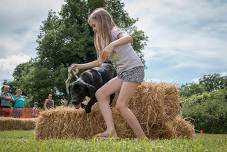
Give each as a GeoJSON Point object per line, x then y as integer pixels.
{"type": "Point", "coordinates": [187, 38]}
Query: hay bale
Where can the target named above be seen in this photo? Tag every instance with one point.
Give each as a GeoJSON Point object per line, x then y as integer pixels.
{"type": "Point", "coordinates": [68, 123]}
{"type": "Point", "coordinates": [171, 101]}
{"type": "Point", "coordinates": [8, 123]}
{"type": "Point", "coordinates": [71, 123]}
{"type": "Point", "coordinates": [153, 104]}
{"type": "Point", "coordinates": [183, 128]}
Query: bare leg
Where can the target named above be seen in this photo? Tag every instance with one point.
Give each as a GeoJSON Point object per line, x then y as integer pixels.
{"type": "Point", "coordinates": [103, 97]}
{"type": "Point", "coordinates": [126, 92]}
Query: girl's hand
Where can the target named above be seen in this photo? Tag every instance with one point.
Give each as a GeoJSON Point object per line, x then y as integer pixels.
{"type": "Point", "coordinates": [75, 66]}
{"type": "Point", "coordinates": [107, 51]}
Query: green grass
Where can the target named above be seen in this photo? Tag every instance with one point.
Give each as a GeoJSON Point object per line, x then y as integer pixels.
{"type": "Point", "coordinates": [23, 141]}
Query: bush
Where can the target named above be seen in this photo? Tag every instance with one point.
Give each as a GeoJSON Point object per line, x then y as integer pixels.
{"type": "Point", "coordinates": [209, 111]}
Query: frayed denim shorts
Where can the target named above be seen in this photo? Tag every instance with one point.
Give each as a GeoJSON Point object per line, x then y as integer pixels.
{"type": "Point", "coordinates": [135, 74]}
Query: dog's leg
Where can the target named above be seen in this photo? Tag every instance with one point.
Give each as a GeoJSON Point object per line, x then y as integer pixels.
{"type": "Point", "coordinates": [90, 104]}
{"type": "Point", "coordinates": [83, 106]}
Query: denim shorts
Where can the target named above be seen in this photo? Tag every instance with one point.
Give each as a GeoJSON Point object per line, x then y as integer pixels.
{"type": "Point", "coordinates": [135, 74]}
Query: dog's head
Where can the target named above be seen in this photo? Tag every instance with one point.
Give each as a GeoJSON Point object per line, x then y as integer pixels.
{"type": "Point", "coordinates": [79, 90]}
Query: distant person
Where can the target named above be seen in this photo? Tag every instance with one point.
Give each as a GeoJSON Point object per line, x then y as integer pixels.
{"type": "Point", "coordinates": [35, 110]}
{"type": "Point", "coordinates": [49, 102]}
{"type": "Point", "coordinates": [19, 104]}
{"type": "Point", "coordinates": [6, 101]}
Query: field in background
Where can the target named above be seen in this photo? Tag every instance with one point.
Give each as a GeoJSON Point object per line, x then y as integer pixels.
{"type": "Point", "coordinates": [24, 141]}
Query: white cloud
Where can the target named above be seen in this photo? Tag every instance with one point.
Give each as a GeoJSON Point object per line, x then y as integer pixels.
{"type": "Point", "coordinates": [8, 64]}
{"type": "Point", "coordinates": [183, 36]}
{"type": "Point", "coordinates": [19, 27]}
{"type": "Point", "coordinates": [184, 25]}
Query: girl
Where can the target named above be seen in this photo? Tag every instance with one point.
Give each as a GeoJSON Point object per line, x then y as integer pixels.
{"type": "Point", "coordinates": [111, 43]}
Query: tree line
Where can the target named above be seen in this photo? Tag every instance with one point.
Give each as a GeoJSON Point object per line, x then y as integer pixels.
{"type": "Point", "coordinates": [205, 103]}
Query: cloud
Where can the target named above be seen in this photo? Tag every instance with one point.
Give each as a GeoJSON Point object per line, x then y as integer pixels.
{"type": "Point", "coordinates": [184, 36]}
{"type": "Point", "coordinates": [181, 24]}
{"type": "Point", "coordinates": [8, 64]}
{"type": "Point", "coordinates": [19, 27]}
{"type": "Point", "coordinates": [20, 23]}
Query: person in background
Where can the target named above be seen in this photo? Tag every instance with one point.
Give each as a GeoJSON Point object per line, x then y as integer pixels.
{"type": "Point", "coordinates": [35, 110]}
{"type": "Point", "coordinates": [19, 104]}
{"type": "Point", "coordinates": [49, 102]}
{"type": "Point", "coordinates": [6, 101]}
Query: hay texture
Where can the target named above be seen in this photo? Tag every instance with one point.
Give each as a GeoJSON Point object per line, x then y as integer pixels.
{"type": "Point", "coordinates": [183, 128]}
{"type": "Point", "coordinates": [154, 104]}
{"type": "Point", "coordinates": [7, 123]}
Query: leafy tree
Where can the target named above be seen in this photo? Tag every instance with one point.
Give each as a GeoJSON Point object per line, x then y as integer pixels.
{"type": "Point", "coordinates": [208, 83]}
{"type": "Point", "coordinates": [34, 80]}
{"type": "Point", "coordinates": [213, 82]}
{"type": "Point", "coordinates": [208, 110]}
{"type": "Point", "coordinates": [191, 89]}
{"type": "Point", "coordinates": [206, 104]}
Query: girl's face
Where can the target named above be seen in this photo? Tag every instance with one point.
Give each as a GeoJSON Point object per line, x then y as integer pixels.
{"type": "Point", "coordinates": [94, 25]}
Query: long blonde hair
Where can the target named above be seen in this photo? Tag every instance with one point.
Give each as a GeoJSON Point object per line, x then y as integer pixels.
{"type": "Point", "coordinates": [106, 23]}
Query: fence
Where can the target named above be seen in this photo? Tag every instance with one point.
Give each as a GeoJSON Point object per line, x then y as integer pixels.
{"type": "Point", "coordinates": [8, 112]}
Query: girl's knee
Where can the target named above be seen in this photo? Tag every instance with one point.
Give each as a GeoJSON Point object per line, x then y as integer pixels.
{"type": "Point", "coordinates": [120, 107]}
{"type": "Point", "coordinates": [100, 94]}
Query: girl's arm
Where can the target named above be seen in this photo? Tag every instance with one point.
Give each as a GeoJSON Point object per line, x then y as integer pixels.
{"type": "Point", "coordinates": [122, 39]}
{"type": "Point", "coordinates": [86, 65]}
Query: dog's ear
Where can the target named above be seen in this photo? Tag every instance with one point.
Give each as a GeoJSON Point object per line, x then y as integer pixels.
{"type": "Point", "coordinates": [91, 89]}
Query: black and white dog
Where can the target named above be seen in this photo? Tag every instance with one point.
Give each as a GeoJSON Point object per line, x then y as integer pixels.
{"type": "Point", "coordinates": [88, 83]}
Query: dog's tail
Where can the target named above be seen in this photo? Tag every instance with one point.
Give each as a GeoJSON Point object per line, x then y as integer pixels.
{"type": "Point", "coordinates": [71, 73]}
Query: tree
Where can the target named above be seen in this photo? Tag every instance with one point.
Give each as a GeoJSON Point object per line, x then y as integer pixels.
{"type": "Point", "coordinates": [208, 110]}
{"type": "Point", "coordinates": [209, 83]}
{"type": "Point", "coordinates": [213, 82]}
{"type": "Point", "coordinates": [191, 89]}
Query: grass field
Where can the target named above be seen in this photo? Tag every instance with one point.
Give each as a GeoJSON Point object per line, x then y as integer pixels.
{"type": "Point", "coordinates": [23, 141]}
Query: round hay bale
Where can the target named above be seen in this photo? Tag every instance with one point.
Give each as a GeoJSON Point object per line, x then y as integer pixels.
{"type": "Point", "coordinates": [153, 104]}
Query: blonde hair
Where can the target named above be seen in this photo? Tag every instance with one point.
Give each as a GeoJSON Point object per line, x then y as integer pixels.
{"type": "Point", "coordinates": [106, 23]}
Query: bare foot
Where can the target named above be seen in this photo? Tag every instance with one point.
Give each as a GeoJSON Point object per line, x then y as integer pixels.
{"type": "Point", "coordinates": [102, 134]}
{"type": "Point", "coordinates": [106, 134]}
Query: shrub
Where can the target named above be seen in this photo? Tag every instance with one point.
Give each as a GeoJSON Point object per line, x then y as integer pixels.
{"type": "Point", "coordinates": [209, 111]}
